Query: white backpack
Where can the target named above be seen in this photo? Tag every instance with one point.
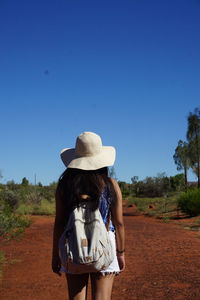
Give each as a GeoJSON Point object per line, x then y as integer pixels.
{"type": "Point", "coordinates": [85, 245]}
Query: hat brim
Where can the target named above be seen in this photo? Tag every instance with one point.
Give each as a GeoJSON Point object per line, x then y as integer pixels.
{"type": "Point", "coordinates": [105, 158]}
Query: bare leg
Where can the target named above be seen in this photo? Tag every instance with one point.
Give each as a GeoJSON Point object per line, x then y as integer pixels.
{"type": "Point", "coordinates": [77, 286]}
{"type": "Point", "coordinates": [102, 286]}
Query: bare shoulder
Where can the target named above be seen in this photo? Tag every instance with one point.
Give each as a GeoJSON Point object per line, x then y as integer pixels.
{"type": "Point", "coordinates": [116, 187]}
{"type": "Point", "coordinates": [114, 182]}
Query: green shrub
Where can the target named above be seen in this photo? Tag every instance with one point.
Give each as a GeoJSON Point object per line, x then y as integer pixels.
{"type": "Point", "coordinates": [24, 209]}
{"type": "Point", "coordinates": [44, 208]}
{"type": "Point", "coordinates": [47, 207]}
{"type": "Point", "coordinates": [12, 225]}
{"type": "Point", "coordinates": [189, 202]}
{"type": "Point", "coordinates": [11, 198]}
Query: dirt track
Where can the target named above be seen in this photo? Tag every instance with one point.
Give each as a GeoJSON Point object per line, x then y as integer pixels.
{"type": "Point", "coordinates": [163, 262]}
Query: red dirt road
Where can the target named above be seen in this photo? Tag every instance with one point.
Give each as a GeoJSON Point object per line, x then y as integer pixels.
{"type": "Point", "coordinates": [163, 263]}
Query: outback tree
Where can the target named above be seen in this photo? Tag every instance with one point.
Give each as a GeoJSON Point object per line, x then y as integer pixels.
{"type": "Point", "coordinates": [112, 173]}
{"type": "Point", "coordinates": [181, 158]}
{"type": "Point", "coordinates": [134, 179]}
{"type": "Point", "coordinates": [25, 181]}
{"type": "Point", "coordinates": [193, 137]}
{"type": "Point", "coordinates": [177, 182]}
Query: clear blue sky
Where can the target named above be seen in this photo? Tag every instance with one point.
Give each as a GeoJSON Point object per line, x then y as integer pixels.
{"type": "Point", "coordinates": [127, 70]}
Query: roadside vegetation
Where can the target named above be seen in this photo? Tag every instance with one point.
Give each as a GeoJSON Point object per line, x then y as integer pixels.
{"type": "Point", "coordinates": [154, 196]}
{"type": "Point", "coordinates": [189, 202]}
{"type": "Point", "coordinates": [19, 201]}
{"type": "Point", "coordinates": [12, 225]}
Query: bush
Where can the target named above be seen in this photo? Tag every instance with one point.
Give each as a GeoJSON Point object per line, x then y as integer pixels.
{"type": "Point", "coordinates": [152, 186]}
{"type": "Point", "coordinates": [11, 198]}
{"type": "Point", "coordinates": [44, 208]}
{"type": "Point", "coordinates": [11, 225]}
{"type": "Point", "coordinates": [189, 202]}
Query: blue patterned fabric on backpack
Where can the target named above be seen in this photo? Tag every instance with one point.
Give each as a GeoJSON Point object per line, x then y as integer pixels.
{"type": "Point", "coordinates": [104, 206]}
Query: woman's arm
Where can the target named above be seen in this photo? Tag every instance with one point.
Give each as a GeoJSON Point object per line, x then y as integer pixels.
{"type": "Point", "coordinates": [58, 230]}
{"type": "Point", "coordinates": [117, 219]}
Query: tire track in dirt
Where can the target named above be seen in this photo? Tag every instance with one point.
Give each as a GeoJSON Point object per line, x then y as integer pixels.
{"type": "Point", "coordinates": [162, 263]}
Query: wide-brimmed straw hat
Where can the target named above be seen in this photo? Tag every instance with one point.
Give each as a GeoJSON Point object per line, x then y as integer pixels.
{"type": "Point", "coordinates": [89, 153]}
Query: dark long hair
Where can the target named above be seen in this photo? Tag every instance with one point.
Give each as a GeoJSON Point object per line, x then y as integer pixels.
{"type": "Point", "coordinates": [76, 182]}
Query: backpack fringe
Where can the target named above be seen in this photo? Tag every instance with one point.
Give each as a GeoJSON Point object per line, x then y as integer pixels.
{"type": "Point", "coordinates": [109, 273]}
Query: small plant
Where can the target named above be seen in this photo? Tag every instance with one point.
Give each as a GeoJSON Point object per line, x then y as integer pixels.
{"type": "Point", "coordinates": [12, 225]}
{"type": "Point", "coordinates": [189, 202]}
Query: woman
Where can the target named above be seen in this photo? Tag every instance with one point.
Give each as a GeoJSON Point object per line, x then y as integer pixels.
{"type": "Point", "coordinates": [86, 178]}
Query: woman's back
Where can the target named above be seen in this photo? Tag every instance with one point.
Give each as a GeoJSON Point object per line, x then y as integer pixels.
{"type": "Point", "coordinates": [87, 176]}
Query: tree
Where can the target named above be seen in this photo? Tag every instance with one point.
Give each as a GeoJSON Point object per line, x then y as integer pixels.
{"type": "Point", "coordinates": [134, 179]}
{"type": "Point", "coordinates": [112, 173]}
{"type": "Point", "coordinates": [25, 181]}
{"type": "Point", "coordinates": [193, 137]}
{"type": "Point", "coordinates": [125, 188]}
{"type": "Point", "coordinates": [177, 182]}
{"type": "Point", "coordinates": [181, 158]}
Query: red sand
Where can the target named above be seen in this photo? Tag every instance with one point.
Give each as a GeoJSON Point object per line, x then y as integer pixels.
{"type": "Point", "coordinates": [162, 262]}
